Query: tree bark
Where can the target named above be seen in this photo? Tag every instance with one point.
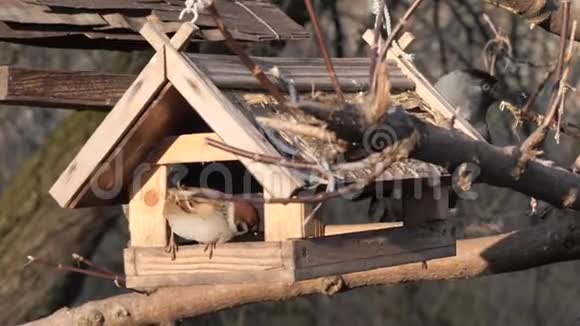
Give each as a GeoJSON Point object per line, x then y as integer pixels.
{"type": "Point", "coordinates": [556, 239]}
{"type": "Point", "coordinates": [31, 223]}
{"type": "Point", "coordinates": [545, 13]}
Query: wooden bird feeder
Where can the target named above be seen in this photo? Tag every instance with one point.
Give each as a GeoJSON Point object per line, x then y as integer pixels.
{"type": "Point", "coordinates": [164, 119]}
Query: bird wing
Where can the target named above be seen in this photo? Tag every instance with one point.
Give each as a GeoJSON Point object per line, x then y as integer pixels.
{"type": "Point", "coordinates": [202, 207]}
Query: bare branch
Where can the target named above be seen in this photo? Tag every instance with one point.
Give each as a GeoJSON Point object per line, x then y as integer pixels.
{"type": "Point", "coordinates": [539, 12]}
{"type": "Point", "coordinates": [324, 50]}
{"type": "Point", "coordinates": [550, 242]}
{"type": "Point", "coordinates": [400, 26]}
{"type": "Point", "coordinates": [235, 47]}
{"type": "Point", "coordinates": [66, 268]}
{"type": "Point", "coordinates": [379, 163]}
{"type": "Point", "coordinates": [548, 183]}
{"type": "Point", "coordinates": [374, 51]}
{"type": "Point", "coordinates": [537, 137]}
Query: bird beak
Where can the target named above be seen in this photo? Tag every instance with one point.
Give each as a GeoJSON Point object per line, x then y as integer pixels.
{"type": "Point", "coordinates": [500, 93]}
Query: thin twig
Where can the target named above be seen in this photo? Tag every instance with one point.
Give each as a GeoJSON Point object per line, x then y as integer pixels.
{"type": "Point", "coordinates": [537, 119]}
{"type": "Point", "coordinates": [267, 159]}
{"type": "Point", "coordinates": [235, 47]}
{"type": "Point", "coordinates": [381, 86]}
{"type": "Point", "coordinates": [500, 41]}
{"type": "Point", "coordinates": [374, 52]}
{"type": "Point", "coordinates": [396, 152]}
{"type": "Point", "coordinates": [563, 34]}
{"type": "Point", "coordinates": [94, 266]}
{"type": "Point", "coordinates": [528, 148]}
{"type": "Point", "coordinates": [335, 170]}
{"type": "Point", "coordinates": [324, 50]}
{"type": "Point", "coordinates": [67, 268]}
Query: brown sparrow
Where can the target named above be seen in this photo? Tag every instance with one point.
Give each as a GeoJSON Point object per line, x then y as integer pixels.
{"type": "Point", "coordinates": [207, 221]}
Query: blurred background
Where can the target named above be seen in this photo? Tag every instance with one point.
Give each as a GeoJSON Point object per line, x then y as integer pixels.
{"type": "Point", "coordinates": [36, 145]}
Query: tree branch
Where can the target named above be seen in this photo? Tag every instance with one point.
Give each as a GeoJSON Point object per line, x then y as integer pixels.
{"type": "Point", "coordinates": [451, 149]}
{"type": "Point", "coordinates": [555, 240]}
{"type": "Point", "coordinates": [554, 185]}
{"type": "Point", "coordinates": [545, 13]}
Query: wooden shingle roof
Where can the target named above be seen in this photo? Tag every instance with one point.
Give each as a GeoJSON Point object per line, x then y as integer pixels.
{"type": "Point", "coordinates": [175, 98]}
{"type": "Point", "coordinates": [111, 23]}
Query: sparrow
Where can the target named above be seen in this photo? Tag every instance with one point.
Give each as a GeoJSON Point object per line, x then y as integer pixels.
{"type": "Point", "coordinates": [207, 221]}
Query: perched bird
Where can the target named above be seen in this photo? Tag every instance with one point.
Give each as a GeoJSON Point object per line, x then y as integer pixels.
{"type": "Point", "coordinates": [471, 92]}
{"type": "Point", "coordinates": [208, 221]}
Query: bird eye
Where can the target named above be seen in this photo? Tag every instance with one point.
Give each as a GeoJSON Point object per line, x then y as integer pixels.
{"type": "Point", "coordinates": [486, 87]}
{"type": "Point", "coordinates": [241, 228]}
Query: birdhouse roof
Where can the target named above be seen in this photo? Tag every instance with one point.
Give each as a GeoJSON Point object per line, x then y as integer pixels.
{"type": "Point", "coordinates": [115, 23]}
{"type": "Point", "coordinates": [176, 95]}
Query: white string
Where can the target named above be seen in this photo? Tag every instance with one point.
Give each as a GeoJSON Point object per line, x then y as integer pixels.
{"type": "Point", "coordinates": [387, 25]}
{"type": "Point", "coordinates": [193, 7]}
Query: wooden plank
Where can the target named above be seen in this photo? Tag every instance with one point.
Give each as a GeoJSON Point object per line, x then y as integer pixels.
{"type": "Point", "coordinates": [167, 115]}
{"type": "Point", "coordinates": [104, 4]}
{"type": "Point", "coordinates": [73, 37]}
{"type": "Point", "coordinates": [340, 254]}
{"type": "Point", "coordinates": [191, 148]}
{"type": "Point", "coordinates": [284, 222]}
{"type": "Point", "coordinates": [80, 90]}
{"type": "Point", "coordinates": [73, 182]}
{"type": "Point", "coordinates": [190, 259]}
{"type": "Point", "coordinates": [228, 122]}
{"type": "Point", "coordinates": [352, 228]}
{"type": "Point", "coordinates": [22, 12]}
{"type": "Point", "coordinates": [406, 40]}
{"type": "Point", "coordinates": [147, 225]}
{"type": "Point", "coordinates": [231, 263]}
{"type": "Point", "coordinates": [152, 32]}
{"type": "Point", "coordinates": [62, 89]}
{"type": "Point", "coordinates": [110, 132]}
{"type": "Point", "coordinates": [224, 118]}
{"type": "Point", "coordinates": [248, 20]}
{"type": "Point", "coordinates": [425, 204]}
{"type": "Point", "coordinates": [208, 278]}
{"type": "Point", "coordinates": [240, 18]}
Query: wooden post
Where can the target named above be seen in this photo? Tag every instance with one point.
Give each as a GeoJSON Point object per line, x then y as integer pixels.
{"type": "Point", "coordinates": [147, 225]}
{"type": "Point", "coordinates": [283, 222]}
{"type": "Point", "coordinates": [427, 204]}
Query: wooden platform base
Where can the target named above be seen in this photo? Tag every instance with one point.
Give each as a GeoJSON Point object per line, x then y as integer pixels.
{"type": "Point", "coordinates": [288, 261]}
